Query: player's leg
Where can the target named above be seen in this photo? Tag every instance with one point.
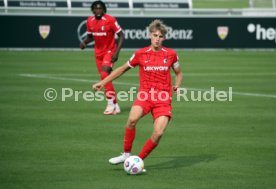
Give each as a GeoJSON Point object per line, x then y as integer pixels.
{"type": "Point", "coordinates": [104, 72]}
{"type": "Point", "coordinates": [162, 113]}
{"type": "Point", "coordinates": [109, 93]}
{"type": "Point", "coordinates": [109, 88]}
{"type": "Point", "coordinates": [160, 125]}
{"type": "Point", "coordinates": [135, 114]}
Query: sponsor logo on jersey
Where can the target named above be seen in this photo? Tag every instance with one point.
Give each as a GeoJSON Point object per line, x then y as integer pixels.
{"type": "Point", "coordinates": [156, 68]}
{"type": "Point", "coordinates": [44, 31]}
{"type": "Point", "coordinates": [99, 33]}
{"type": "Point", "coordinates": [222, 32]}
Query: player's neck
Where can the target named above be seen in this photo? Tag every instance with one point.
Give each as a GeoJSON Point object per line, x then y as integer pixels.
{"type": "Point", "coordinates": [98, 17]}
{"type": "Point", "coordinates": [156, 49]}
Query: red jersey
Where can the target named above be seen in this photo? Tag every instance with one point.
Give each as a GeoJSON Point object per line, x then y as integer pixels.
{"type": "Point", "coordinates": [154, 68]}
{"type": "Point", "coordinates": [103, 32]}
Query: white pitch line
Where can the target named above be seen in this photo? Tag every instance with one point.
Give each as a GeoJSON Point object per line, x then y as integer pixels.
{"type": "Point", "coordinates": [44, 76]}
{"type": "Point", "coordinates": [185, 74]}
{"type": "Point", "coordinates": [229, 74]}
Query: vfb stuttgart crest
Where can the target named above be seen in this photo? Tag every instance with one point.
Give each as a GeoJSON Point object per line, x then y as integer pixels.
{"type": "Point", "coordinates": [222, 32]}
{"type": "Point", "coordinates": [44, 31]}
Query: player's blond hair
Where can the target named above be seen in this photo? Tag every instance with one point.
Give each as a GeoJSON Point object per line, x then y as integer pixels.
{"type": "Point", "coordinates": [158, 25]}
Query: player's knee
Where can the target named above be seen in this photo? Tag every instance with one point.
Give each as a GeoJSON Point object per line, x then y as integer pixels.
{"type": "Point", "coordinates": [106, 69]}
{"type": "Point", "coordinates": [132, 122]}
{"type": "Point", "coordinates": [158, 134]}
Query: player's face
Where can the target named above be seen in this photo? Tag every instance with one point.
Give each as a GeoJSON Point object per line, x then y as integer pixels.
{"type": "Point", "coordinates": [98, 11]}
{"type": "Point", "coordinates": [157, 39]}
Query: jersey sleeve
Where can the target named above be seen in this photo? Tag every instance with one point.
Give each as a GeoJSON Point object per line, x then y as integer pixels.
{"type": "Point", "coordinates": [175, 63]}
{"type": "Point", "coordinates": [88, 30]}
{"type": "Point", "coordinates": [134, 60]}
{"type": "Point", "coordinates": [115, 26]}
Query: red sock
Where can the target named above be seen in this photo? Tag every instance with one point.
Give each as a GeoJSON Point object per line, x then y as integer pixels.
{"type": "Point", "coordinates": [128, 140]}
{"type": "Point", "coordinates": [148, 147]}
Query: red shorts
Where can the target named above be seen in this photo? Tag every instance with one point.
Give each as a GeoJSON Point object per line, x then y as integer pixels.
{"type": "Point", "coordinates": [104, 59]}
{"type": "Point", "coordinates": [156, 109]}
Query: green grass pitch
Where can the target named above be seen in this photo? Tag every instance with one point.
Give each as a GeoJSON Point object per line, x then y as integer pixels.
{"type": "Point", "coordinates": [220, 3]}
{"type": "Point", "coordinates": [66, 145]}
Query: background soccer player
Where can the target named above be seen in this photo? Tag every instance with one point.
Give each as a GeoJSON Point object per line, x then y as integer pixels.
{"type": "Point", "coordinates": [103, 27]}
{"type": "Point", "coordinates": [154, 62]}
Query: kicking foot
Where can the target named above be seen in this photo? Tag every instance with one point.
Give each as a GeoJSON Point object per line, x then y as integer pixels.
{"type": "Point", "coordinates": [119, 159]}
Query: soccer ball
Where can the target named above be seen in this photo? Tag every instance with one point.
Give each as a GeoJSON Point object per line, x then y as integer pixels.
{"type": "Point", "coordinates": [133, 165]}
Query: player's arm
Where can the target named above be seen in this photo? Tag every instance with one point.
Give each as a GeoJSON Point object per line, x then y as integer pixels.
{"type": "Point", "coordinates": [178, 73]}
{"type": "Point", "coordinates": [87, 40]}
{"type": "Point", "coordinates": [115, 74]}
{"type": "Point", "coordinates": [119, 46]}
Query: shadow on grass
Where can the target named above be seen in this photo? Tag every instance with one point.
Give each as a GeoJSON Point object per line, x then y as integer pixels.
{"type": "Point", "coordinates": [181, 161]}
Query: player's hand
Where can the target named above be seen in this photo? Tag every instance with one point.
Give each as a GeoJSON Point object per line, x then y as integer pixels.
{"type": "Point", "coordinates": [98, 86]}
{"type": "Point", "coordinates": [114, 57]}
{"type": "Point", "coordinates": [176, 89]}
{"type": "Point", "coordinates": [82, 45]}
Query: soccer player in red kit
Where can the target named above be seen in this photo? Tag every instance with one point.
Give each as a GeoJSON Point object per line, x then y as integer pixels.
{"type": "Point", "coordinates": [155, 63]}
{"type": "Point", "coordinates": [103, 27]}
